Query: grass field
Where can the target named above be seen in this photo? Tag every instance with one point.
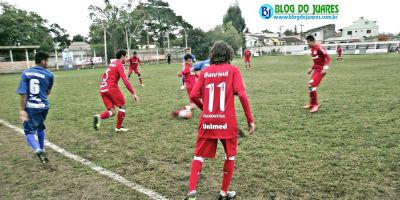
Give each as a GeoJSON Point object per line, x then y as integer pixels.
{"type": "Point", "coordinates": [350, 149]}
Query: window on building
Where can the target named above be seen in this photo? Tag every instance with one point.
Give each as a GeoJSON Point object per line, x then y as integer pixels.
{"type": "Point", "coordinates": [368, 31]}
{"type": "Point", "coordinates": [349, 32]}
{"type": "Point", "coordinates": [356, 31]}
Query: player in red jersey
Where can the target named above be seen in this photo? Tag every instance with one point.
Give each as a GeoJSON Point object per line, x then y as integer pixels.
{"type": "Point", "coordinates": [247, 58]}
{"type": "Point", "coordinates": [216, 86]}
{"type": "Point", "coordinates": [339, 51]}
{"type": "Point", "coordinates": [189, 77]}
{"type": "Point", "coordinates": [133, 66]}
{"type": "Point", "coordinates": [321, 65]}
{"type": "Point", "coordinates": [112, 95]}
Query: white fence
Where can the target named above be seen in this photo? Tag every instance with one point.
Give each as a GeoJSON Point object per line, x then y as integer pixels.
{"type": "Point", "coordinates": [348, 48]}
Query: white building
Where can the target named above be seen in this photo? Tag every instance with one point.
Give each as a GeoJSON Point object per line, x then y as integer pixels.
{"type": "Point", "coordinates": [361, 28]}
{"type": "Point", "coordinates": [358, 31]}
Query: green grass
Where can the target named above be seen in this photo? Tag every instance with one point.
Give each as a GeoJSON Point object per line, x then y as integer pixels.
{"type": "Point", "coordinates": [348, 150]}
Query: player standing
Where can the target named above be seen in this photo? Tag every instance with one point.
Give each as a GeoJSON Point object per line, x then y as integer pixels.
{"type": "Point", "coordinates": [247, 58]}
{"type": "Point", "coordinates": [35, 85]}
{"type": "Point", "coordinates": [188, 51]}
{"type": "Point", "coordinates": [319, 69]}
{"type": "Point", "coordinates": [217, 86]}
{"type": "Point", "coordinates": [133, 66]}
{"type": "Point", "coordinates": [339, 51]}
{"type": "Point", "coordinates": [112, 95]}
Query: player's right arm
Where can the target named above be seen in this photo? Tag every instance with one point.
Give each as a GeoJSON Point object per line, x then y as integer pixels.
{"type": "Point", "coordinates": [195, 94]}
{"type": "Point", "coordinates": [23, 92]}
{"type": "Point", "coordinates": [239, 89]}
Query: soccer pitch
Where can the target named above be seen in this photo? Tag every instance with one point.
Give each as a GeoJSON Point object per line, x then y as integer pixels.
{"type": "Point", "coordinates": [349, 149]}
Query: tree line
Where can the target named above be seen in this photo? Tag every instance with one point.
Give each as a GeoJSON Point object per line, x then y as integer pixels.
{"type": "Point", "coordinates": [125, 25]}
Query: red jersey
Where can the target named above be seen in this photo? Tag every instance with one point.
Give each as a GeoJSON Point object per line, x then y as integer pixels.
{"type": "Point", "coordinates": [320, 57]}
{"type": "Point", "coordinates": [247, 53]}
{"type": "Point", "coordinates": [339, 50]}
{"type": "Point", "coordinates": [134, 61]}
{"type": "Point", "coordinates": [110, 78]}
{"type": "Point", "coordinates": [189, 77]}
{"type": "Point", "coordinates": [216, 86]}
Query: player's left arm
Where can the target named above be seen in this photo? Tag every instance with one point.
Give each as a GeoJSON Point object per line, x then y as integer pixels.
{"type": "Point", "coordinates": [239, 89]}
{"type": "Point", "coordinates": [195, 94]}
{"type": "Point", "coordinates": [327, 60]}
{"type": "Point", "coordinates": [50, 84]}
{"type": "Point", "coordinates": [140, 62]}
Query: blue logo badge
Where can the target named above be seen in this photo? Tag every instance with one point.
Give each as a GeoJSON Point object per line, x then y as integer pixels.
{"type": "Point", "coordinates": [266, 11]}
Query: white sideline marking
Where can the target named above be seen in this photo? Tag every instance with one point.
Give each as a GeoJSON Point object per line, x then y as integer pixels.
{"type": "Point", "coordinates": [101, 170]}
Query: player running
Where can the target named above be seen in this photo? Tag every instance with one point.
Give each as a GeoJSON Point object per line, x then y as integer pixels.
{"type": "Point", "coordinates": [247, 58]}
{"type": "Point", "coordinates": [339, 51]}
{"type": "Point", "coordinates": [189, 78]}
{"type": "Point", "coordinates": [112, 95]}
{"type": "Point", "coordinates": [216, 86]}
{"type": "Point", "coordinates": [321, 61]}
{"type": "Point", "coordinates": [34, 87]}
{"type": "Point", "coordinates": [133, 66]}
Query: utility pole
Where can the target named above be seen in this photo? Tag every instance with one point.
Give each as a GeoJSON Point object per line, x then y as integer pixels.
{"type": "Point", "coordinates": [105, 46]}
{"type": "Point", "coordinates": [280, 31]}
{"type": "Point", "coordinates": [301, 31]}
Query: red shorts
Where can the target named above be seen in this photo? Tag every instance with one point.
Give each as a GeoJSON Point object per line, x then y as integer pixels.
{"type": "Point", "coordinates": [247, 59]}
{"type": "Point", "coordinates": [135, 69]}
{"type": "Point", "coordinates": [188, 90]}
{"type": "Point", "coordinates": [113, 98]}
{"type": "Point", "coordinates": [316, 79]}
{"type": "Point", "coordinates": [207, 147]}
{"type": "Point", "coordinates": [339, 55]}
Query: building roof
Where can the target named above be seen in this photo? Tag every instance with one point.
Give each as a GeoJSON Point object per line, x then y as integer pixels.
{"type": "Point", "coordinates": [320, 27]}
{"type": "Point", "coordinates": [79, 46]}
{"type": "Point", "coordinates": [362, 23]}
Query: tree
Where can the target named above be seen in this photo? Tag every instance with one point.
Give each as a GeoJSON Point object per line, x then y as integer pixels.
{"type": "Point", "coordinates": [266, 31]}
{"type": "Point", "coordinates": [288, 32]}
{"type": "Point", "coordinates": [199, 42]}
{"type": "Point", "coordinates": [383, 37]}
{"type": "Point", "coordinates": [227, 33]}
{"type": "Point", "coordinates": [234, 15]}
{"type": "Point", "coordinates": [60, 36]}
{"type": "Point", "coordinates": [79, 38]}
{"type": "Point", "coordinates": [161, 20]}
{"type": "Point", "coordinates": [19, 27]}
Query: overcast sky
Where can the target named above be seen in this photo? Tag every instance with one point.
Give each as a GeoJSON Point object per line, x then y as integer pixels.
{"type": "Point", "coordinates": [205, 14]}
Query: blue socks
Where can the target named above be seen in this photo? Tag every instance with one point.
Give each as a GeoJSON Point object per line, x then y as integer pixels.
{"type": "Point", "coordinates": [40, 134]}
{"type": "Point", "coordinates": [30, 138]}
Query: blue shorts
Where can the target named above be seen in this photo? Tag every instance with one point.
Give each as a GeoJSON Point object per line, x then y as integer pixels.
{"type": "Point", "coordinates": [36, 120]}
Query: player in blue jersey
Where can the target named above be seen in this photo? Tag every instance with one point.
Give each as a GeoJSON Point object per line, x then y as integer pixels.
{"type": "Point", "coordinates": [34, 87]}
{"type": "Point", "coordinates": [200, 65]}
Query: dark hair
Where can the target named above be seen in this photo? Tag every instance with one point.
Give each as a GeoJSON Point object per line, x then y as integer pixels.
{"type": "Point", "coordinates": [187, 56]}
{"type": "Point", "coordinates": [187, 49]}
{"type": "Point", "coordinates": [120, 53]}
{"type": "Point", "coordinates": [221, 52]}
{"type": "Point", "coordinates": [39, 56]}
{"type": "Point", "coordinates": [134, 52]}
{"type": "Point", "coordinates": [310, 38]}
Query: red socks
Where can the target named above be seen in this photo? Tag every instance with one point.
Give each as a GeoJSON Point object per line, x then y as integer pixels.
{"type": "Point", "coordinates": [105, 114]}
{"type": "Point", "coordinates": [194, 174]}
{"type": "Point", "coordinates": [229, 166]}
{"type": "Point", "coordinates": [140, 80]}
{"type": "Point", "coordinates": [120, 117]}
{"type": "Point", "coordinates": [313, 98]}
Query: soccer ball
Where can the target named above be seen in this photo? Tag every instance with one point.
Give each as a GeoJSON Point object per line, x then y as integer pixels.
{"type": "Point", "coordinates": [182, 113]}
